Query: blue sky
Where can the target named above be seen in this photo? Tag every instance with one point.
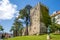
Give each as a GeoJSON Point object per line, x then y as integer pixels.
{"type": "Point", "coordinates": [53, 5]}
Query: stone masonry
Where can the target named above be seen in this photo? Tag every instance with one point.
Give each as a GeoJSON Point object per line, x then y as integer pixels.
{"type": "Point", "coordinates": [37, 26]}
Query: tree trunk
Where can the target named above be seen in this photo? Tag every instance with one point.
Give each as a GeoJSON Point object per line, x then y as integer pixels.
{"type": "Point", "coordinates": [26, 26]}
{"type": "Point", "coordinates": [14, 33]}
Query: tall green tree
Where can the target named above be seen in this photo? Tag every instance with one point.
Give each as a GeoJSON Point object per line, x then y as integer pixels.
{"type": "Point", "coordinates": [25, 14]}
{"type": "Point", "coordinates": [16, 28]}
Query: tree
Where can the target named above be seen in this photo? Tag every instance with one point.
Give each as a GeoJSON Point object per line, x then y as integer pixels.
{"type": "Point", "coordinates": [45, 16]}
{"type": "Point", "coordinates": [54, 26]}
{"type": "Point", "coordinates": [1, 28]}
{"type": "Point", "coordinates": [13, 29]}
{"type": "Point", "coordinates": [25, 14]}
{"type": "Point", "coordinates": [20, 30]}
{"type": "Point", "coordinates": [16, 28]}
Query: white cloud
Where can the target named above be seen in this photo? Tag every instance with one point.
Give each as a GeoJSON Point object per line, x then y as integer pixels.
{"type": "Point", "coordinates": [54, 12]}
{"type": "Point", "coordinates": [7, 10]}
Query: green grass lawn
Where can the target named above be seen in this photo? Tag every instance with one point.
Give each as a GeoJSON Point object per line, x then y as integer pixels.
{"type": "Point", "coordinates": [40, 37]}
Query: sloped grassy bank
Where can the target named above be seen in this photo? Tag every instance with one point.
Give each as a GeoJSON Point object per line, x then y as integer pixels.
{"type": "Point", "coordinates": [40, 37]}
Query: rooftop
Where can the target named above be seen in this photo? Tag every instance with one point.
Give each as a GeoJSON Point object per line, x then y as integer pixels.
{"type": "Point", "coordinates": [55, 13]}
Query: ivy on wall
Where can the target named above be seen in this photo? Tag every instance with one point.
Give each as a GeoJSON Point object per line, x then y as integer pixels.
{"type": "Point", "coordinates": [45, 15]}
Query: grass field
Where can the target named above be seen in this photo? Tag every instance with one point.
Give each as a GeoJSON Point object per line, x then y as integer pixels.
{"type": "Point", "coordinates": [40, 37]}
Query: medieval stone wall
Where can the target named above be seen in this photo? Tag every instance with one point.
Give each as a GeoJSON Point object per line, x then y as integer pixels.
{"type": "Point", "coordinates": [37, 27]}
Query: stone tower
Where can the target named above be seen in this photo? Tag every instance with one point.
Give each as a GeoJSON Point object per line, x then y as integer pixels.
{"type": "Point", "coordinates": [37, 26]}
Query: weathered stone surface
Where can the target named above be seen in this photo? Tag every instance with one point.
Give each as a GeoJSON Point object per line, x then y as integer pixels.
{"type": "Point", "coordinates": [37, 26]}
